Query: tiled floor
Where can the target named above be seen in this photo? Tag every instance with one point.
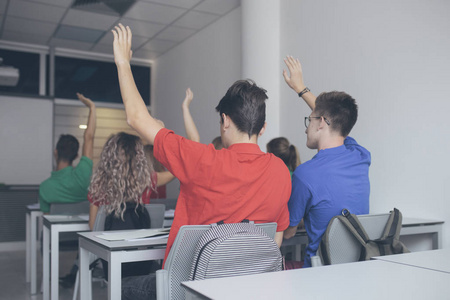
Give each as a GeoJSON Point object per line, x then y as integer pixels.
{"type": "Point", "coordinates": [12, 277]}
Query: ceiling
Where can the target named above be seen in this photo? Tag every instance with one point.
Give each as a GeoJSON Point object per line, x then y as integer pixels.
{"type": "Point", "coordinates": [157, 25]}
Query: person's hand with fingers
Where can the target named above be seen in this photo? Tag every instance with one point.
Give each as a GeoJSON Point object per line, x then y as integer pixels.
{"type": "Point", "coordinates": [122, 44]}
{"type": "Point", "coordinates": [295, 77]}
{"type": "Point", "coordinates": [86, 101]}
{"type": "Point", "coordinates": [188, 99]}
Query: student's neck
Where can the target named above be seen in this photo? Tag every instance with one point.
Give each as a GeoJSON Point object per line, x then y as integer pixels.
{"type": "Point", "coordinates": [243, 138]}
{"type": "Point", "coordinates": [62, 164]}
{"type": "Point", "coordinates": [331, 142]}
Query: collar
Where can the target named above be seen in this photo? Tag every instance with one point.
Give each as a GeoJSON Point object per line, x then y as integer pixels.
{"type": "Point", "coordinates": [331, 151]}
{"type": "Point", "coordinates": [245, 148]}
{"type": "Point", "coordinates": [62, 171]}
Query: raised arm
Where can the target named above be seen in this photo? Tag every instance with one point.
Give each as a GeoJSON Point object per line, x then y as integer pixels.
{"type": "Point", "coordinates": [137, 114]}
{"type": "Point", "coordinates": [189, 125]}
{"type": "Point", "coordinates": [89, 133]}
{"type": "Point", "coordinates": [295, 80]}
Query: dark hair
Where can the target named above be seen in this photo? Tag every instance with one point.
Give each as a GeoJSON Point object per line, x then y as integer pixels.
{"type": "Point", "coordinates": [217, 143]}
{"type": "Point", "coordinates": [340, 109]}
{"type": "Point", "coordinates": [67, 148]}
{"type": "Point", "coordinates": [245, 104]}
{"type": "Point", "coordinates": [281, 148]}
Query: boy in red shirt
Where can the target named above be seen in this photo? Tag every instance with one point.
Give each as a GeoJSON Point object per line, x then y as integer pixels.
{"type": "Point", "coordinates": [235, 183]}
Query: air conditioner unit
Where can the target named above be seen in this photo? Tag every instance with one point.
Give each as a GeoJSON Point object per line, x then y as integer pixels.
{"type": "Point", "coordinates": [9, 76]}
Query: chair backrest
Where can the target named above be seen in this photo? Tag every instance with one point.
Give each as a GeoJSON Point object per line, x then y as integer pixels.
{"type": "Point", "coordinates": [99, 224]}
{"type": "Point", "coordinates": [156, 212]}
{"type": "Point", "coordinates": [77, 208]}
{"type": "Point", "coordinates": [344, 247]}
{"type": "Point", "coordinates": [179, 261]}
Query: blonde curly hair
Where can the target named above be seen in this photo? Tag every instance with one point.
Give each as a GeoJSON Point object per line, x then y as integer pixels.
{"type": "Point", "coordinates": [122, 174]}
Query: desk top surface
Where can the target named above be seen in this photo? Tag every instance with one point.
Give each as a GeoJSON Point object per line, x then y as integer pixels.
{"type": "Point", "coordinates": [91, 237]}
{"type": "Point", "coordinates": [406, 222]}
{"type": "Point", "coordinates": [437, 260]}
{"type": "Point", "coordinates": [374, 279]}
{"type": "Point", "coordinates": [63, 219]}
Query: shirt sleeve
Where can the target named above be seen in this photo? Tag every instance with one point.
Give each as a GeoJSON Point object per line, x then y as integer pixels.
{"type": "Point", "coordinates": [83, 171]}
{"type": "Point", "coordinates": [299, 200]}
{"type": "Point", "coordinates": [44, 205]}
{"type": "Point", "coordinates": [179, 155]}
{"type": "Point", "coordinates": [283, 220]}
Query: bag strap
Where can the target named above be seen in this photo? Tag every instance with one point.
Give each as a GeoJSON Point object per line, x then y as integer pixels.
{"type": "Point", "coordinates": [389, 232]}
{"type": "Point", "coordinates": [356, 225]}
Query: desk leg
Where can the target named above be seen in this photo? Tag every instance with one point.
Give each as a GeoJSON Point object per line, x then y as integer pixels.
{"type": "Point", "coordinates": [85, 292]}
{"type": "Point", "coordinates": [33, 236]}
{"type": "Point", "coordinates": [115, 276]}
{"type": "Point", "coordinates": [54, 254]}
{"type": "Point", "coordinates": [437, 239]}
{"type": "Point", "coordinates": [27, 246]}
{"type": "Point", "coordinates": [46, 263]}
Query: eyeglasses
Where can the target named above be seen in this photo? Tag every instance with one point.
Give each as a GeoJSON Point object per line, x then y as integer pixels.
{"type": "Point", "coordinates": [308, 120]}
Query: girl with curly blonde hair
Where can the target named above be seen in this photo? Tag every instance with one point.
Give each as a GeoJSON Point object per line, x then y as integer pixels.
{"type": "Point", "coordinates": [121, 176]}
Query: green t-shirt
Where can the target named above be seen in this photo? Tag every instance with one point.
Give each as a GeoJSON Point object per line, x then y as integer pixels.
{"type": "Point", "coordinates": [68, 185]}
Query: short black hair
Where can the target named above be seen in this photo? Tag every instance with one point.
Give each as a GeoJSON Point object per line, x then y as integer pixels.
{"type": "Point", "coordinates": [245, 104]}
{"type": "Point", "coordinates": [340, 109]}
{"type": "Point", "coordinates": [67, 147]}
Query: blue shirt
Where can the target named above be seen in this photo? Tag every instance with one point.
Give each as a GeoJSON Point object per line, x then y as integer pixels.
{"type": "Point", "coordinates": [334, 179]}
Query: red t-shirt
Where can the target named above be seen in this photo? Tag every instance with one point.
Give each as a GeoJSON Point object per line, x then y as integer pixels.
{"type": "Point", "coordinates": [229, 185]}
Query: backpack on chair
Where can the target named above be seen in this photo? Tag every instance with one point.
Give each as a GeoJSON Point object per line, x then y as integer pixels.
{"type": "Point", "coordinates": [234, 250]}
{"type": "Point", "coordinates": [388, 243]}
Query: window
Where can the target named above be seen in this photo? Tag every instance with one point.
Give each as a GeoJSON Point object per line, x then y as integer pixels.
{"type": "Point", "coordinates": [95, 79]}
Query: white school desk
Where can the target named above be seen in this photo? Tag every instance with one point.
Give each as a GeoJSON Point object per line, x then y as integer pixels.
{"type": "Point", "coordinates": [411, 226]}
{"type": "Point", "coordinates": [32, 223]}
{"type": "Point", "coordinates": [373, 279]}
{"type": "Point", "coordinates": [115, 253]}
{"type": "Point", "coordinates": [53, 225]}
{"type": "Point", "coordinates": [436, 260]}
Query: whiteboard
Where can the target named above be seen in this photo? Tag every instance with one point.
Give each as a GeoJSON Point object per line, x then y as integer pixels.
{"type": "Point", "coordinates": [26, 137]}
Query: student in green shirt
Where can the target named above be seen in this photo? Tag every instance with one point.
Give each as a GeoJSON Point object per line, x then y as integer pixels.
{"type": "Point", "coordinates": [70, 184]}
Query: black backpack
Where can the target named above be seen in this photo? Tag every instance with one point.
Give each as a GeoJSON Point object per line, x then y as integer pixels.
{"type": "Point", "coordinates": [387, 244]}
{"type": "Point", "coordinates": [135, 216]}
{"type": "Point", "coordinates": [233, 250]}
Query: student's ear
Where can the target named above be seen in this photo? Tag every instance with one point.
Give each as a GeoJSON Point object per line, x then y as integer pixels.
{"type": "Point", "coordinates": [263, 129]}
{"type": "Point", "coordinates": [322, 123]}
{"type": "Point", "coordinates": [55, 153]}
{"type": "Point", "coordinates": [226, 121]}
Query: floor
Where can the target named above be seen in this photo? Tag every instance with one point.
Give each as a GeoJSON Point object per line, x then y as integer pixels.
{"type": "Point", "coordinates": [12, 277]}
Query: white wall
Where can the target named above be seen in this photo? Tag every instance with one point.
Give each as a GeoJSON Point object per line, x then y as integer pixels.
{"type": "Point", "coordinates": [393, 56]}
{"type": "Point", "coordinates": [26, 127]}
{"type": "Point", "coordinates": [208, 62]}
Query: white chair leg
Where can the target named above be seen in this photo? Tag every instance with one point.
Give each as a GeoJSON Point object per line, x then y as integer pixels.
{"type": "Point", "coordinates": [76, 286]}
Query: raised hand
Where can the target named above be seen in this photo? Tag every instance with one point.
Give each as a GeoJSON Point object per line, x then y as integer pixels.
{"type": "Point", "coordinates": [86, 101]}
{"type": "Point", "coordinates": [188, 99]}
{"type": "Point", "coordinates": [122, 44]}
{"type": "Point", "coordinates": [295, 79]}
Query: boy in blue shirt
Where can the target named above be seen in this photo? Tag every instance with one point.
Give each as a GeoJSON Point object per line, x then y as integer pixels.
{"type": "Point", "coordinates": [337, 177]}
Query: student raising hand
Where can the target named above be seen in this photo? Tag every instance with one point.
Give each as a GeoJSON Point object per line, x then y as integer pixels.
{"type": "Point", "coordinates": [122, 44]}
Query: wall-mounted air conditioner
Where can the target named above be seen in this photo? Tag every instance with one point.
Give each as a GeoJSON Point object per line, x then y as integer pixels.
{"type": "Point", "coordinates": [9, 76]}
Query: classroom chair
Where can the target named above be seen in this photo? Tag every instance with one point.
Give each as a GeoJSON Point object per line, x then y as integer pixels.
{"type": "Point", "coordinates": [344, 248]}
